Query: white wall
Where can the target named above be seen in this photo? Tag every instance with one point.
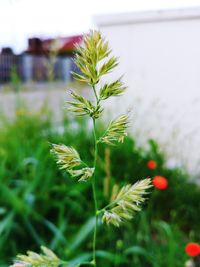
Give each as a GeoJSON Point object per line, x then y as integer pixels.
{"type": "Point", "coordinates": [160, 57]}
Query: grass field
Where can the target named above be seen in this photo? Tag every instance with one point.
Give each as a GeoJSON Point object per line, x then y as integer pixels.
{"type": "Point", "coordinates": [41, 205]}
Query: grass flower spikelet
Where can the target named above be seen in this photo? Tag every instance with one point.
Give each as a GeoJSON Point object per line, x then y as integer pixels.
{"type": "Point", "coordinates": [116, 131]}
{"type": "Point", "coordinates": [115, 88]}
{"type": "Point", "coordinates": [32, 259]}
{"type": "Point", "coordinates": [67, 157]}
{"type": "Point", "coordinates": [93, 49]}
{"type": "Point", "coordinates": [82, 106]}
{"type": "Point", "coordinates": [83, 174]}
{"type": "Point", "coordinates": [127, 202]}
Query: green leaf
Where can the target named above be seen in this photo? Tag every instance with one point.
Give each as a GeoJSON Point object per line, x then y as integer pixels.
{"type": "Point", "coordinates": [5, 222]}
{"type": "Point", "coordinates": [82, 234]}
{"type": "Point", "coordinates": [58, 232]}
{"type": "Point", "coordinates": [80, 260]}
{"type": "Point", "coordinates": [137, 250]}
{"type": "Point", "coordinates": [106, 255]}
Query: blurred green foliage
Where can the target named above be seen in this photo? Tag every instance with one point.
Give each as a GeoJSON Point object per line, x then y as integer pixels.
{"type": "Point", "coordinates": [41, 205]}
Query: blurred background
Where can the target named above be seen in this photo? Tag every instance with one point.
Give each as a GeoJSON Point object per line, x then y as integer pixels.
{"type": "Point", "coordinates": [158, 45]}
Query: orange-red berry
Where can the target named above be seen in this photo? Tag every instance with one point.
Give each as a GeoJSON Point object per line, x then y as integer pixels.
{"type": "Point", "coordinates": [151, 164]}
{"type": "Point", "coordinates": [192, 249]}
{"type": "Point", "coordinates": [160, 182]}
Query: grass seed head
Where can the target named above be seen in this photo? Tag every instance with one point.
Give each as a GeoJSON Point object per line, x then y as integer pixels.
{"type": "Point", "coordinates": [67, 157]}
{"type": "Point", "coordinates": [32, 259]}
{"type": "Point", "coordinates": [127, 202]}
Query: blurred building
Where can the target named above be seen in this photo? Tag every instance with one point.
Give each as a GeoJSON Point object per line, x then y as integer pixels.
{"type": "Point", "coordinates": [43, 60]}
{"type": "Point", "coordinates": [159, 54]}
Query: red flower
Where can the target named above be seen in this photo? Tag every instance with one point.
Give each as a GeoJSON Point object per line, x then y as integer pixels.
{"type": "Point", "coordinates": [192, 249]}
{"type": "Point", "coordinates": [151, 164]}
{"type": "Point", "coordinates": [160, 182]}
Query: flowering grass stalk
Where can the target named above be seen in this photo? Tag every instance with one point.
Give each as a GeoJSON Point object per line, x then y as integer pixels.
{"type": "Point", "coordinates": [94, 60]}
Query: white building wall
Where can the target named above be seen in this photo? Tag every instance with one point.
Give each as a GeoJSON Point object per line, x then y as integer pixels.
{"type": "Point", "coordinates": [160, 56]}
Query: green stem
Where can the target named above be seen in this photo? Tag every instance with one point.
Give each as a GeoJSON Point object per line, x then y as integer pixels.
{"type": "Point", "coordinates": [95, 93]}
{"type": "Point", "coordinates": [94, 194]}
{"type": "Point", "coordinates": [106, 207]}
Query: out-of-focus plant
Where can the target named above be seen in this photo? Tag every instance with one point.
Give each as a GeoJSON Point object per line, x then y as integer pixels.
{"type": "Point", "coordinates": [31, 194]}
{"type": "Point", "coordinates": [192, 249]}
{"type": "Point", "coordinates": [94, 60]}
{"type": "Point", "coordinates": [52, 58]}
{"type": "Point", "coordinates": [15, 79]}
{"type": "Point", "coordinates": [48, 258]}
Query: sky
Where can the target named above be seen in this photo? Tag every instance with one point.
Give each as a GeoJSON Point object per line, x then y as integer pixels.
{"type": "Point", "coordinates": [21, 19]}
